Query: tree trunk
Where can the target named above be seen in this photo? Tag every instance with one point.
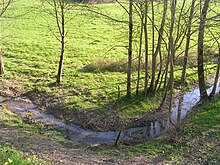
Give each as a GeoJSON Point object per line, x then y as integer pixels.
{"type": "Point", "coordinates": [60, 68]}
{"type": "Point", "coordinates": [154, 58]}
{"type": "Point", "coordinates": [139, 54]}
{"type": "Point", "coordinates": [158, 48]}
{"type": "Point", "coordinates": [1, 65]}
{"type": "Point", "coordinates": [171, 55]}
{"type": "Point", "coordinates": [146, 49]}
{"type": "Point", "coordinates": [130, 49]}
{"type": "Point", "coordinates": [212, 94]}
{"type": "Point", "coordinates": [159, 72]}
{"type": "Point", "coordinates": [201, 75]}
{"type": "Point", "coordinates": [188, 37]}
{"type": "Point", "coordinates": [170, 60]}
{"type": "Point", "coordinates": [62, 33]}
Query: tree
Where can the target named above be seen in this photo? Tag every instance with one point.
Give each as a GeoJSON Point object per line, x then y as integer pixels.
{"type": "Point", "coordinates": [130, 38]}
{"type": "Point", "coordinates": [142, 16]}
{"type": "Point", "coordinates": [154, 56]}
{"type": "Point", "coordinates": [146, 47]}
{"type": "Point", "coordinates": [4, 6]}
{"type": "Point", "coordinates": [159, 41]}
{"type": "Point", "coordinates": [60, 7]}
{"type": "Point", "coordinates": [171, 53]}
{"type": "Point", "coordinates": [188, 37]}
{"type": "Point", "coordinates": [200, 57]}
{"type": "Point", "coordinates": [1, 64]}
{"type": "Point", "coordinates": [212, 94]}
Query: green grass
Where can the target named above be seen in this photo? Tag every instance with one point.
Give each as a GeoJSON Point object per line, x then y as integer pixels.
{"type": "Point", "coordinates": [195, 142]}
{"type": "Point", "coordinates": [24, 135]}
{"type": "Point", "coordinates": [32, 54]}
{"type": "Point", "coordinates": [8, 155]}
{"type": "Point", "coordinates": [14, 157]}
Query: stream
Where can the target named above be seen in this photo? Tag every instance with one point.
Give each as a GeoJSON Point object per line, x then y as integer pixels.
{"type": "Point", "coordinates": [181, 105]}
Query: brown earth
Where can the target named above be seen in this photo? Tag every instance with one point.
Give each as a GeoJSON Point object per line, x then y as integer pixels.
{"type": "Point", "coordinates": [50, 151]}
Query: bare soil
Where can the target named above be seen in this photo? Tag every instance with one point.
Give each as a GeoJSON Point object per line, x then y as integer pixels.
{"type": "Point", "coordinates": [50, 151]}
{"type": "Point", "coordinates": [52, 105]}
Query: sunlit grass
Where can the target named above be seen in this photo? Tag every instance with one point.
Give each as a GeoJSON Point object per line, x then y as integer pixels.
{"type": "Point", "coordinates": [32, 54]}
{"type": "Point", "coordinates": [196, 142]}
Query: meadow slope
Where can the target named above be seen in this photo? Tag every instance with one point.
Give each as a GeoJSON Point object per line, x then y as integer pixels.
{"type": "Point", "coordinates": [94, 64]}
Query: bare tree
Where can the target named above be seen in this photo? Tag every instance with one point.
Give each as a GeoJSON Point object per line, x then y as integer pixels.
{"type": "Point", "coordinates": [159, 41]}
{"type": "Point", "coordinates": [146, 46]}
{"type": "Point", "coordinates": [212, 94]}
{"type": "Point", "coordinates": [171, 52]}
{"type": "Point", "coordinates": [200, 59]}
{"type": "Point", "coordinates": [188, 37]}
{"type": "Point", "coordinates": [130, 38]}
{"type": "Point", "coordinates": [154, 58]}
{"type": "Point", "coordinates": [4, 5]}
{"type": "Point", "coordinates": [141, 15]}
{"type": "Point", "coordinates": [60, 7]}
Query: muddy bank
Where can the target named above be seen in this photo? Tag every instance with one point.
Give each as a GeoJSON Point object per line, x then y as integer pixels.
{"type": "Point", "coordinates": [158, 125]}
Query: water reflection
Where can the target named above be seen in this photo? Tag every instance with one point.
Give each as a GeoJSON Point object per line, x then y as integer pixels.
{"type": "Point", "coordinates": [155, 129]}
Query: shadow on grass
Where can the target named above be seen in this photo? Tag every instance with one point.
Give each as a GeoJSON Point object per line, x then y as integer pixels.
{"type": "Point", "coordinates": [107, 65]}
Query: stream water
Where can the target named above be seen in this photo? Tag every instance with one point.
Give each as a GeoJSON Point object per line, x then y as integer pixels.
{"type": "Point", "coordinates": [181, 106]}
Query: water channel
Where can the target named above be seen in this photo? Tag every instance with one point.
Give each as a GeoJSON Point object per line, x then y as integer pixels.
{"type": "Point", "coordinates": [181, 106]}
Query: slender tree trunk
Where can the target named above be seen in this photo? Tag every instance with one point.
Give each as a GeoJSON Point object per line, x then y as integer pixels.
{"type": "Point", "coordinates": [159, 72]}
{"type": "Point", "coordinates": [62, 33]}
{"type": "Point", "coordinates": [171, 54]}
{"type": "Point", "coordinates": [158, 48]}
{"type": "Point", "coordinates": [130, 49]}
{"type": "Point", "coordinates": [4, 6]}
{"type": "Point", "coordinates": [201, 75]}
{"type": "Point", "coordinates": [146, 48]}
{"type": "Point", "coordinates": [1, 65]}
{"type": "Point", "coordinates": [139, 54]}
{"type": "Point", "coordinates": [60, 68]}
{"type": "Point", "coordinates": [178, 26]}
{"type": "Point", "coordinates": [166, 72]}
{"type": "Point", "coordinates": [170, 61]}
{"type": "Point", "coordinates": [161, 80]}
{"type": "Point", "coordinates": [188, 37]}
{"type": "Point", "coordinates": [154, 58]}
{"type": "Point", "coordinates": [212, 94]}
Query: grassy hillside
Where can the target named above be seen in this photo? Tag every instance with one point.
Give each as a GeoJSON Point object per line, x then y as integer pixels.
{"type": "Point", "coordinates": [95, 56]}
{"type": "Point", "coordinates": [197, 141]}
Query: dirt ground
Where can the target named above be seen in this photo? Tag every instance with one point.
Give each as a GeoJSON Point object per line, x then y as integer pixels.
{"type": "Point", "coordinates": [51, 151]}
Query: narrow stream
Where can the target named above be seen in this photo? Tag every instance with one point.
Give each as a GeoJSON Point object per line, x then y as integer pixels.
{"type": "Point", "coordinates": [181, 106]}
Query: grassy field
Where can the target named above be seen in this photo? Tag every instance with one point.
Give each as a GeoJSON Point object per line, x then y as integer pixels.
{"type": "Point", "coordinates": [195, 142]}
{"type": "Point", "coordinates": [94, 54]}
